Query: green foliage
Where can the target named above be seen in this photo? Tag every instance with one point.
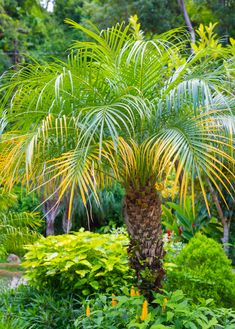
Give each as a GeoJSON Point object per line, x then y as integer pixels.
{"type": "Point", "coordinates": [104, 315]}
{"type": "Point", "coordinates": [108, 114]}
{"type": "Point", "coordinates": [172, 310]}
{"type": "Point", "coordinates": [208, 38]}
{"type": "Point", "coordinates": [185, 221]}
{"type": "Point", "coordinates": [84, 262]}
{"type": "Point", "coordinates": [7, 200]}
{"type": "Point", "coordinates": [3, 252]}
{"type": "Point", "coordinates": [103, 216]}
{"type": "Point", "coordinates": [28, 30]}
{"type": "Point", "coordinates": [203, 271]}
{"type": "Point", "coordinates": [28, 308]}
{"type": "Point", "coordinates": [206, 11]}
{"type": "Point", "coordinates": [156, 16]}
{"type": "Point", "coordinates": [18, 229]}
{"type": "Point", "coordinates": [18, 225]}
{"type": "Point", "coordinates": [25, 202]}
{"type": "Point", "coordinates": [11, 324]}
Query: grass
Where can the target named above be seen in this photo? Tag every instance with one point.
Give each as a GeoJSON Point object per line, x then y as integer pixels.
{"type": "Point", "coordinates": [4, 282]}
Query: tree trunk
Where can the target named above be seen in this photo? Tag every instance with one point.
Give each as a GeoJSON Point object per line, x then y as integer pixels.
{"type": "Point", "coordinates": [142, 212]}
{"type": "Point", "coordinates": [66, 223]}
{"type": "Point", "coordinates": [50, 210]}
{"type": "Point", "coordinates": [225, 239]}
{"type": "Point", "coordinates": [224, 220]}
{"type": "Point", "coordinates": [50, 230]}
{"type": "Point", "coordinates": [187, 20]}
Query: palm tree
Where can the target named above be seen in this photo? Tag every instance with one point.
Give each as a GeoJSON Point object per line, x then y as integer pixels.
{"type": "Point", "coordinates": [122, 108]}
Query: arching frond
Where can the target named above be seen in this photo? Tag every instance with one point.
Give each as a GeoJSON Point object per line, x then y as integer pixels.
{"type": "Point", "coordinates": [199, 148]}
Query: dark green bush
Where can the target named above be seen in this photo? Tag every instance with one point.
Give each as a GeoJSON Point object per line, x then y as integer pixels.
{"type": "Point", "coordinates": [82, 262]}
{"type": "Point", "coordinates": [203, 271]}
{"type": "Point", "coordinates": [28, 308]}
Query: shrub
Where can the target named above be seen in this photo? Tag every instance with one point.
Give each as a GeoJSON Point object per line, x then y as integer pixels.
{"type": "Point", "coordinates": [27, 308]}
{"type": "Point", "coordinates": [203, 271]}
{"type": "Point", "coordinates": [84, 262]}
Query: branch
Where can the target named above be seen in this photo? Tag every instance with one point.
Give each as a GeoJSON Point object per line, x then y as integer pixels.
{"type": "Point", "coordinates": [187, 20]}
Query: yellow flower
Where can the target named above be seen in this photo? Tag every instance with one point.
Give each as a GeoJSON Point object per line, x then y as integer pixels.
{"type": "Point", "coordinates": [132, 292]}
{"type": "Point", "coordinates": [144, 311]}
{"type": "Point", "coordinates": [114, 300]}
{"type": "Point", "coordinates": [165, 300]}
{"type": "Point", "coordinates": [88, 311]}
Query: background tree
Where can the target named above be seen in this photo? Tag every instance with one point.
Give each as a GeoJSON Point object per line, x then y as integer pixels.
{"type": "Point", "coordinates": [156, 16]}
{"type": "Point", "coordinates": [206, 11]}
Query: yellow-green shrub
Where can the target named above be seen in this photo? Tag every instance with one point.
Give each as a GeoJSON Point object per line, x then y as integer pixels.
{"type": "Point", "coordinates": [84, 262]}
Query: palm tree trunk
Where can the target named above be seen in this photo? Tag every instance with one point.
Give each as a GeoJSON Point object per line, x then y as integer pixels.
{"type": "Point", "coordinates": [142, 212]}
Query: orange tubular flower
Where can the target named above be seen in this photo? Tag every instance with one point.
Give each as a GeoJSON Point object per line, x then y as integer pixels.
{"type": "Point", "coordinates": [88, 311]}
{"type": "Point", "coordinates": [144, 311]}
{"type": "Point", "coordinates": [114, 300]}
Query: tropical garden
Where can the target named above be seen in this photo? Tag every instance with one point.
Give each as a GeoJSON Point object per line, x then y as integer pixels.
{"type": "Point", "coordinates": [117, 164]}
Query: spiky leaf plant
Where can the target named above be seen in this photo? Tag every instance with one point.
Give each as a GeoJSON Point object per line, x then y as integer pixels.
{"type": "Point", "coordinates": [17, 230]}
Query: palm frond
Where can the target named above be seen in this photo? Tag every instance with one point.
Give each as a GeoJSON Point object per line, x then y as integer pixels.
{"type": "Point", "coordinates": [199, 149]}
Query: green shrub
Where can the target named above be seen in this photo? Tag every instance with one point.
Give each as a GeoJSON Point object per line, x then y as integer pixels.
{"type": "Point", "coordinates": [27, 308]}
{"type": "Point", "coordinates": [203, 271]}
{"type": "Point", "coordinates": [84, 262]}
{"type": "Point", "coordinates": [172, 310]}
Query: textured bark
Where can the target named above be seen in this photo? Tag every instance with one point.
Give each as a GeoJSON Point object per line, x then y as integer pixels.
{"type": "Point", "coordinates": [50, 210]}
{"type": "Point", "coordinates": [66, 223]}
{"type": "Point", "coordinates": [142, 212]}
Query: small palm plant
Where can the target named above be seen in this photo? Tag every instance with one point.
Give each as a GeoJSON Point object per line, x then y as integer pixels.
{"type": "Point", "coordinates": [122, 108]}
{"type": "Point", "coordinates": [17, 230]}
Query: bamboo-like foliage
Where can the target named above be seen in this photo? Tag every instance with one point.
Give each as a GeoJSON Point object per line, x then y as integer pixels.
{"type": "Point", "coordinates": [121, 107]}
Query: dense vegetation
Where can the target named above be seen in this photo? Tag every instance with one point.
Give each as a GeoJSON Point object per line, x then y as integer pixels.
{"type": "Point", "coordinates": [29, 30]}
{"type": "Point", "coordinates": [117, 164]}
